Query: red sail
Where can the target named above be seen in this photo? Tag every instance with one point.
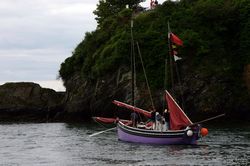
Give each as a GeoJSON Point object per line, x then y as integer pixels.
{"type": "Point", "coordinates": [105, 120]}
{"type": "Point", "coordinates": [110, 120]}
{"type": "Point", "coordinates": [133, 108]}
{"type": "Point", "coordinates": [178, 119]}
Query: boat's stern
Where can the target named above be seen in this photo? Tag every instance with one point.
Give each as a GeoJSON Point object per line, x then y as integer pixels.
{"type": "Point", "coordinates": [194, 133]}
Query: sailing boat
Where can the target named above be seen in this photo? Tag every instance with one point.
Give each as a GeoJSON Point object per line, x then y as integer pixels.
{"type": "Point", "coordinates": [182, 130]}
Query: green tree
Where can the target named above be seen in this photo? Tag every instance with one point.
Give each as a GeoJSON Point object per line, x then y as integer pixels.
{"type": "Point", "coordinates": [110, 8]}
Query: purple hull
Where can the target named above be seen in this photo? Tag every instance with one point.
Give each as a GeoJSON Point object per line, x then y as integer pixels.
{"type": "Point", "coordinates": [130, 134]}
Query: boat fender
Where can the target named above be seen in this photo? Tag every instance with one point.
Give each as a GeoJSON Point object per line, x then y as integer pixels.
{"type": "Point", "coordinates": [204, 132]}
{"type": "Point", "coordinates": [190, 133]}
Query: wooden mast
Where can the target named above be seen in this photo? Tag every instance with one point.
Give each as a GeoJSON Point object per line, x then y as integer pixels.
{"type": "Point", "coordinates": [172, 65]}
{"type": "Point", "coordinates": [132, 66]}
{"type": "Point", "coordinates": [170, 50]}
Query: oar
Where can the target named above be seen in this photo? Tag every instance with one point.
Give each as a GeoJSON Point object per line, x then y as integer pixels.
{"type": "Point", "coordinates": [100, 132]}
{"type": "Point", "coordinates": [218, 116]}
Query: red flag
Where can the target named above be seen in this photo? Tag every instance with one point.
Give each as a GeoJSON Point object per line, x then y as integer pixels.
{"type": "Point", "coordinates": [175, 39]}
{"type": "Point", "coordinates": [178, 119]}
{"type": "Point", "coordinates": [175, 52]}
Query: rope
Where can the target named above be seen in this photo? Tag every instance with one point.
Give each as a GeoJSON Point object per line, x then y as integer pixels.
{"type": "Point", "coordinates": [144, 71]}
{"type": "Point", "coordinates": [170, 57]}
{"type": "Point", "coordinates": [180, 88]}
{"type": "Point", "coordinates": [165, 81]}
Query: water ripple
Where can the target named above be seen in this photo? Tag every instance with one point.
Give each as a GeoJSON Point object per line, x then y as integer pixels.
{"type": "Point", "coordinates": [70, 144]}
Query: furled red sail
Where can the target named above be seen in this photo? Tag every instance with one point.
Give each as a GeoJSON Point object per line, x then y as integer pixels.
{"type": "Point", "coordinates": [105, 120]}
{"type": "Point", "coordinates": [178, 119]}
{"type": "Point", "coordinates": [132, 108]}
{"type": "Point", "coordinates": [110, 120]}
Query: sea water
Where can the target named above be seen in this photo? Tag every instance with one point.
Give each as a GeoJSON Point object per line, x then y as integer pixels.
{"type": "Point", "coordinates": [62, 144]}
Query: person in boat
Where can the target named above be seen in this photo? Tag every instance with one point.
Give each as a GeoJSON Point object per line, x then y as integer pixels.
{"type": "Point", "coordinates": [134, 119]}
{"type": "Point", "coordinates": [152, 117]}
{"type": "Point", "coordinates": [158, 121]}
{"type": "Point", "coordinates": [166, 118]}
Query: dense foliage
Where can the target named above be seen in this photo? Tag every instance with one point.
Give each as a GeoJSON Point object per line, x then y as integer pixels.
{"type": "Point", "coordinates": [110, 8]}
{"type": "Point", "coordinates": [215, 33]}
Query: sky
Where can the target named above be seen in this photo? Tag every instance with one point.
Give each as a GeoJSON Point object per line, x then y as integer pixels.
{"type": "Point", "coordinates": [36, 36]}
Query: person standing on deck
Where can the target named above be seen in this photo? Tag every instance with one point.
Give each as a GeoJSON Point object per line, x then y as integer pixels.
{"type": "Point", "coordinates": [158, 121]}
{"type": "Point", "coordinates": [134, 119]}
{"type": "Point", "coordinates": [166, 117]}
{"type": "Point", "coordinates": [152, 118]}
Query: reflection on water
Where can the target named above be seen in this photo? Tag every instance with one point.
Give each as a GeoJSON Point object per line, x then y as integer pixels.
{"type": "Point", "coordinates": [70, 144]}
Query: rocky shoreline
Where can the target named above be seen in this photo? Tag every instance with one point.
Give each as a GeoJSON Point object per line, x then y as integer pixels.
{"type": "Point", "coordinates": [29, 102]}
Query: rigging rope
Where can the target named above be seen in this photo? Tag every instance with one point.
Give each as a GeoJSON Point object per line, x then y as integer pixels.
{"type": "Point", "coordinates": [180, 86]}
{"type": "Point", "coordinates": [144, 71]}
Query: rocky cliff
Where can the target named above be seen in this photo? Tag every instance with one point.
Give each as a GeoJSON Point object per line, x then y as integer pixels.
{"type": "Point", "coordinates": [86, 98]}
{"type": "Point", "coordinates": [94, 98]}
{"type": "Point", "coordinates": [214, 70]}
{"type": "Point", "coordinates": [29, 102]}
{"type": "Point", "coordinates": [214, 67]}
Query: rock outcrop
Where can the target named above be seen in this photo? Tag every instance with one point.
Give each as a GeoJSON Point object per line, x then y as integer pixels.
{"type": "Point", "coordinates": [29, 102]}
{"type": "Point", "coordinates": [213, 69]}
{"type": "Point", "coordinates": [204, 96]}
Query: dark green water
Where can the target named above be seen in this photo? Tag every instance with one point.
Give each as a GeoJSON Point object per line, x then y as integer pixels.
{"type": "Point", "coordinates": [70, 144]}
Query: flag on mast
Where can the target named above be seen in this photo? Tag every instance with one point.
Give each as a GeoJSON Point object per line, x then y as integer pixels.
{"type": "Point", "coordinates": [175, 39]}
{"type": "Point", "coordinates": [176, 58]}
{"type": "Point", "coordinates": [174, 42]}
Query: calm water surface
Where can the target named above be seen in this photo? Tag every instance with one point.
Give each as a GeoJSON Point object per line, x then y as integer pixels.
{"type": "Point", "coordinates": [70, 144]}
